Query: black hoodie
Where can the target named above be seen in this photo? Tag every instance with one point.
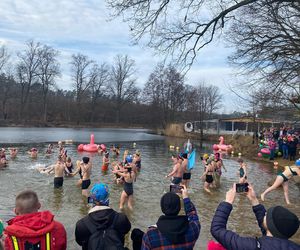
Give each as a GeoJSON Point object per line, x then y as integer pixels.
{"type": "Point", "coordinates": [173, 227]}
{"type": "Point", "coordinates": [102, 217]}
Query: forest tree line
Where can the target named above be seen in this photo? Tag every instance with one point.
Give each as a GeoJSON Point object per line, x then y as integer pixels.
{"type": "Point", "coordinates": [31, 91]}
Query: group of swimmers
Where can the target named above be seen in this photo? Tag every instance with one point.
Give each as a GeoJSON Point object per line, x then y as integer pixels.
{"type": "Point", "coordinates": [125, 171]}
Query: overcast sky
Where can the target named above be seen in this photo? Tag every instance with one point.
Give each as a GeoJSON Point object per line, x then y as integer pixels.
{"type": "Point", "coordinates": [73, 26]}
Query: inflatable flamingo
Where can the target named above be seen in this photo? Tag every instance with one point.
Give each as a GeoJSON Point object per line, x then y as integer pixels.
{"type": "Point", "coordinates": [92, 147]}
{"type": "Point", "coordinates": [221, 146]}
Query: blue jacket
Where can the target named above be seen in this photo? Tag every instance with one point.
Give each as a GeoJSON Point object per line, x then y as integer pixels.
{"type": "Point", "coordinates": [232, 241]}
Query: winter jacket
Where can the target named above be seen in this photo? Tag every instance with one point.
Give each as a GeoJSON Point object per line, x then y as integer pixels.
{"type": "Point", "coordinates": [101, 217]}
{"type": "Point", "coordinates": [35, 225]}
{"type": "Point", "coordinates": [232, 241]}
{"type": "Point", "coordinates": [174, 232]}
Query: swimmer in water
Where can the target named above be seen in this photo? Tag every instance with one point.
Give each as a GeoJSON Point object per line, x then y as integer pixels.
{"type": "Point", "coordinates": [187, 173]}
{"type": "Point", "coordinates": [126, 152]}
{"type": "Point", "coordinates": [13, 152]}
{"type": "Point", "coordinates": [3, 162]}
{"type": "Point", "coordinates": [59, 170]}
{"type": "Point", "coordinates": [33, 153]}
{"type": "Point", "coordinates": [137, 160]}
{"type": "Point", "coordinates": [177, 171]}
{"type": "Point", "coordinates": [116, 150]}
{"type": "Point", "coordinates": [242, 171]}
{"type": "Point", "coordinates": [127, 193]}
{"type": "Point", "coordinates": [282, 180]}
{"type": "Point", "coordinates": [69, 165]}
{"type": "Point", "coordinates": [218, 168]}
{"type": "Point", "coordinates": [49, 150]}
{"type": "Point", "coordinates": [208, 174]}
{"type": "Point", "coordinates": [105, 162]}
{"type": "Point", "coordinates": [84, 168]}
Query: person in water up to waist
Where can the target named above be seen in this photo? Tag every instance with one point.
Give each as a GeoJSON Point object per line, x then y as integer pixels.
{"type": "Point", "coordinates": [177, 171]}
{"type": "Point", "coordinates": [282, 179]}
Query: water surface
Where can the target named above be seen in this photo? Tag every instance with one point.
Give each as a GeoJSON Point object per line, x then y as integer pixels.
{"type": "Point", "coordinates": [68, 205]}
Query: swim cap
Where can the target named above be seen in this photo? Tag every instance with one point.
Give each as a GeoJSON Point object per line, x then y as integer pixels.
{"type": "Point", "coordinates": [129, 158]}
{"type": "Point", "coordinates": [100, 192]}
{"type": "Point", "coordinates": [297, 163]}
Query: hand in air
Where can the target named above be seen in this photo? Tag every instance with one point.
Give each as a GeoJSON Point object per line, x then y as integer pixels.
{"type": "Point", "coordinates": [230, 195]}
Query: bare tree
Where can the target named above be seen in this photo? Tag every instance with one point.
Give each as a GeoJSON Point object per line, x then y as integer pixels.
{"type": "Point", "coordinates": [27, 71]}
{"type": "Point", "coordinates": [164, 91]}
{"type": "Point", "coordinates": [4, 57]}
{"type": "Point", "coordinates": [266, 37]}
{"type": "Point", "coordinates": [123, 84]}
{"type": "Point", "coordinates": [48, 69]}
{"type": "Point", "coordinates": [82, 77]}
{"type": "Point", "coordinates": [7, 86]}
{"type": "Point", "coordinates": [99, 81]}
{"type": "Point", "coordinates": [208, 101]}
{"type": "Point", "coordinates": [180, 28]}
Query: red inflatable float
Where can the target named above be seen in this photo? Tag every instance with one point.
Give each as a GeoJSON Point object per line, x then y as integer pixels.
{"type": "Point", "coordinates": [92, 147]}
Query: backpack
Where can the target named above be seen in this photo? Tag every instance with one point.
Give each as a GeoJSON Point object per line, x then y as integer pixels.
{"type": "Point", "coordinates": [20, 240]}
{"type": "Point", "coordinates": [104, 238]}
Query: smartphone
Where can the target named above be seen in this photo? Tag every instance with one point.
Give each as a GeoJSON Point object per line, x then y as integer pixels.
{"type": "Point", "coordinates": [242, 187]}
{"type": "Point", "coordinates": [175, 188]}
{"type": "Point", "coordinates": [90, 200]}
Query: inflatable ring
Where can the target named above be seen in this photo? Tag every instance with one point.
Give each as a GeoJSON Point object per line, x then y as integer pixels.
{"type": "Point", "coordinates": [188, 127]}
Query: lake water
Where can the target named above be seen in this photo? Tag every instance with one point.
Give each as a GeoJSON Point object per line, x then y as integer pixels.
{"type": "Point", "coordinates": [68, 205]}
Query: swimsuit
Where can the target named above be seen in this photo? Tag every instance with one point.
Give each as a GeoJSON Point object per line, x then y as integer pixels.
{"type": "Point", "coordinates": [80, 173]}
{"type": "Point", "coordinates": [70, 168]}
{"type": "Point", "coordinates": [176, 180]}
{"type": "Point", "coordinates": [85, 184]}
{"type": "Point", "coordinates": [58, 182]}
{"type": "Point", "coordinates": [186, 176]}
{"type": "Point", "coordinates": [138, 164]}
{"type": "Point", "coordinates": [242, 172]}
{"type": "Point", "coordinates": [128, 188]}
{"type": "Point", "coordinates": [209, 178]}
{"type": "Point", "coordinates": [286, 178]}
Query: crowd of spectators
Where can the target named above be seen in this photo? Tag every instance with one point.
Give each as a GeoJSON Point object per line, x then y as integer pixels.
{"type": "Point", "coordinates": [282, 142]}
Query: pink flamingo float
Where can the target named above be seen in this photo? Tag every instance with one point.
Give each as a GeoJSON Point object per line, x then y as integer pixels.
{"type": "Point", "coordinates": [221, 146]}
{"type": "Point", "coordinates": [92, 147]}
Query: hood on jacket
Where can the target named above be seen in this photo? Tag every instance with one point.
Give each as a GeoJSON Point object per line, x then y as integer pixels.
{"type": "Point", "coordinates": [173, 227]}
{"type": "Point", "coordinates": [31, 224]}
{"type": "Point", "coordinates": [101, 216]}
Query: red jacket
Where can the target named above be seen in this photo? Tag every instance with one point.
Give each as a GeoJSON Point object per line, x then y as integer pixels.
{"type": "Point", "coordinates": [34, 228]}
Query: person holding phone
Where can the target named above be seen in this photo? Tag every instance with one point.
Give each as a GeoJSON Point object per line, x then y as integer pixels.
{"type": "Point", "coordinates": [173, 231]}
{"type": "Point", "coordinates": [277, 225]}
